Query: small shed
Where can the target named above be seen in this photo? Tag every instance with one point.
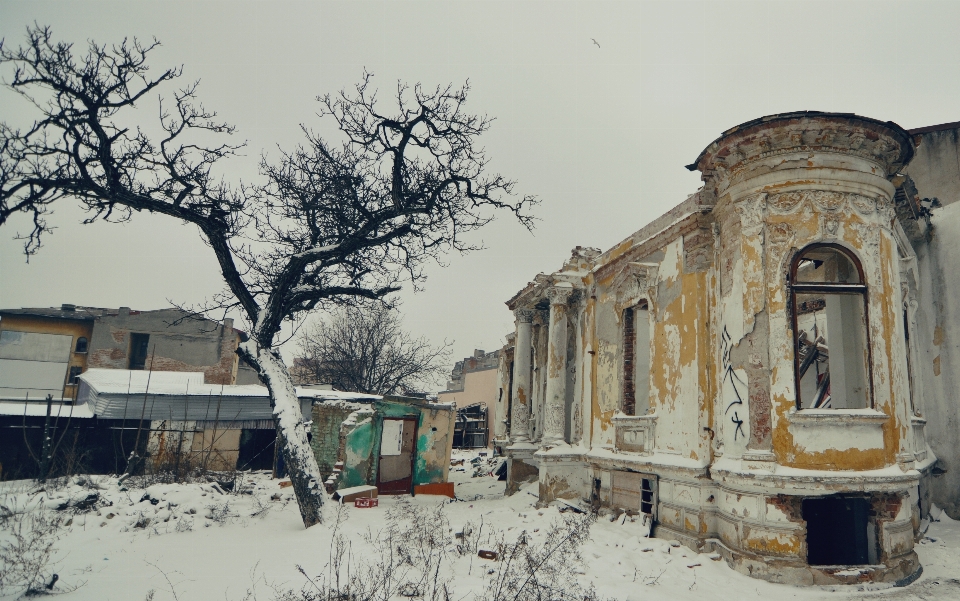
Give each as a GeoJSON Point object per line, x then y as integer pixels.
{"type": "Point", "coordinates": [396, 444]}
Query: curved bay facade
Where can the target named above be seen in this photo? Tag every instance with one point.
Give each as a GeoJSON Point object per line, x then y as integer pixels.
{"type": "Point", "coordinates": [745, 370]}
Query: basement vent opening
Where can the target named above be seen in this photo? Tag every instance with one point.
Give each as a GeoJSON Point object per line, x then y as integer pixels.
{"type": "Point", "coordinates": [839, 531]}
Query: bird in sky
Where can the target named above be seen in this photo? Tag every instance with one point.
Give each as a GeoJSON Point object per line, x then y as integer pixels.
{"type": "Point", "coordinates": [595, 42]}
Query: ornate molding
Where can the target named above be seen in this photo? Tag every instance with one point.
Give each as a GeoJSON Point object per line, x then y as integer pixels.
{"type": "Point", "coordinates": [823, 201]}
{"type": "Point", "coordinates": [751, 211]}
{"type": "Point", "coordinates": [733, 155]}
{"type": "Point", "coordinates": [635, 434]}
{"type": "Point", "coordinates": [524, 315]}
{"type": "Point", "coordinates": [559, 295]}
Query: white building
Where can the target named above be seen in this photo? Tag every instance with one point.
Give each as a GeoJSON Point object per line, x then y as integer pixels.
{"type": "Point", "coordinates": [753, 369]}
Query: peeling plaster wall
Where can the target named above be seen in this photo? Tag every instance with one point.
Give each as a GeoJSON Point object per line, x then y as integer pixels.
{"type": "Point", "coordinates": [607, 390]}
{"type": "Point", "coordinates": [504, 389]}
{"type": "Point", "coordinates": [938, 321]}
{"type": "Point", "coordinates": [796, 220]}
{"type": "Point", "coordinates": [680, 383]}
{"type": "Point", "coordinates": [361, 441]}
{"type": "Point", "coordinates": [731, 455]}
{"type": "Point", "coordinates": [434, 441]}
{"type": "Point", "coordinates": [176, 343]}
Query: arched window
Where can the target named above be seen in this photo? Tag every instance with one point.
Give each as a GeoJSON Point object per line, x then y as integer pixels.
{"type": "Point", "coordinates": [81, 345]}
{"type": "Point", "coordinates": [831, 350]}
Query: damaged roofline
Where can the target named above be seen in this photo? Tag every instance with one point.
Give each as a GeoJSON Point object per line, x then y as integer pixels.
{"type": "Point", "coordinates": [906, 135]}
{"type": "Point", "coordinates": [932, 128]}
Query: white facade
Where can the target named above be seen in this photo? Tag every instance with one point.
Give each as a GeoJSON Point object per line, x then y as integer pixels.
{"type": "Point", "coordinates": [679, 374]}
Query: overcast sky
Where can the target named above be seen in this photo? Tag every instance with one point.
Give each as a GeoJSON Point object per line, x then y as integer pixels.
{"type": "Point", "coordinates": [600, 134]}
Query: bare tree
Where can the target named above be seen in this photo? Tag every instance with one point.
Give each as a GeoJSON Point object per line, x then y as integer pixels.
{"type": "Point", "coordinates": [329, 225]}
{"type": "Point", "coordinates": [365, 349]}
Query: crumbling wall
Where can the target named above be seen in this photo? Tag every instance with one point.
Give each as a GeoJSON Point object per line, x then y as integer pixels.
{"type": "Point", "coordinates": [361, 440]}
{"type": "Point", "coordinates": [177, 342]}
{"type": "Point", "coordinates": [328, 418]}
{"type": "Point", "coordinates": [938, 322]}
{"type": "Point", "coordinates": [434, 445]}
{"type": "Point", "coordinates": [680, 383]}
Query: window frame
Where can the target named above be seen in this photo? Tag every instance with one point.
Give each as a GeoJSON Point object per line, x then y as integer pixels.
{"type": "Point", "coordinates": [628, 362]}
{"type": "Point", "coordinates": [862, 289]}
{"type": "Point", "coordinates": [628, 346]}
{"type": "Point", "coordinates": [86, 345]}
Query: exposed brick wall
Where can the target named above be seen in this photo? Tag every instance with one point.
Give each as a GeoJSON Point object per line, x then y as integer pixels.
{"type": "Point", "coordinates": [629, 341]}
{"type": "Point", "coordinates": [327, 418]}
{"type": "Point", "coordinates": [176, 344]}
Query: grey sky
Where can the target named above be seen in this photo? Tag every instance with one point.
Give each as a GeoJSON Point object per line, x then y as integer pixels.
{"type": "Point", "coordinates": [601, 135]}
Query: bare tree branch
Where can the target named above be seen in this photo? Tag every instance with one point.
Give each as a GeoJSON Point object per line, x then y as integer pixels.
{"type": "Point", "coordinates": [329, 225]}
{"type": "Point", "coordinates": [365, 349]}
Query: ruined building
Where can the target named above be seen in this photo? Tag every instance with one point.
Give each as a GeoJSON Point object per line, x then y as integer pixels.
{"type": "Point", "coordinates": [44, 350]}
{"type": "Point", "coordinates": [755, 370]}
{"type": "Point", "coordinates": [475, 389]}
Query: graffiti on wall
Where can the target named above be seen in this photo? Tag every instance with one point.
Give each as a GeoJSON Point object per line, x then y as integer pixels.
{"type": "Point", "coordinates": [734, 388]}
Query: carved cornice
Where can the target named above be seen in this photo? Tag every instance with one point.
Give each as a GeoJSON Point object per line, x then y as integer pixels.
{"type": "Point", "coordinates": [822, 200]}
{"type": "Point", "coordinates": [559, 295]}
{"type": "Point", "coordinates": [634, 278]}
{"type": "Point", "coordinates": [524, 315]}
{"type": "Point", "coordinates": [885, 144]}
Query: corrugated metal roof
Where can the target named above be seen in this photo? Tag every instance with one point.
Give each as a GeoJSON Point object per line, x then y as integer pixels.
{"type": "Point", "coordinates": [39, 409]}
{"type": "Point", "coordinates": [181, 383]}
{"type": "Point", "coordinates": [212, 407]}
{"type": "Point", "coordinates": [125, 394]}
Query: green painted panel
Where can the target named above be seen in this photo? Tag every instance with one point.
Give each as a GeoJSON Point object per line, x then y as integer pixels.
{"type": "Point", "coordinates": [359, 446]}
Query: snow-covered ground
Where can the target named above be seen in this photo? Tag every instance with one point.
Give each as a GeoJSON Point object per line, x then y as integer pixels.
{"type": "Point", "coordinates": [194, 541]}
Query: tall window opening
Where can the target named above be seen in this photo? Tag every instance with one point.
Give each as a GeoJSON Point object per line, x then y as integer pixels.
{"type": "Point", "coordinates": [636, 360]}
{"type": "Point", "coordinates": [629, 344]}
{"type": "Point", "coordinates": [829, 300]}
{"type": "Point", "coordinates": [138, 350]}
{"type": "Point", "coordinates": [81, 345]}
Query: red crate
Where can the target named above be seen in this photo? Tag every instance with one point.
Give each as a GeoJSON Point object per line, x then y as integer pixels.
{"type": "Point", "coordinates": [366, 502]}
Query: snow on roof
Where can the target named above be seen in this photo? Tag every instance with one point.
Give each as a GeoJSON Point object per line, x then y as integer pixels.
{"type": "Point", "coordinates": [190, 383]}
{"type": "Point", "coordinates": [39, 409]}
{"type": "Point", "coordinates": [335, 395]}
{"type": "Point", "coordinates": [123, 381]}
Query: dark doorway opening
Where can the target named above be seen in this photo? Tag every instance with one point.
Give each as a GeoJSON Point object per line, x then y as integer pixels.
{"type": "Point", "coordinates": [256, 449]}
{"type": "Point", "coordinates": [138, 350]}
{"type": "Point", "coordinates": [837, 531]}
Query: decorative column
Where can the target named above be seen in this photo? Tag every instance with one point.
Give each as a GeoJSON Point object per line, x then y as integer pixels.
{"type": "Point", "coordinates": [520, 414]}
{"type": "Point", "coordinates": [554, 416]}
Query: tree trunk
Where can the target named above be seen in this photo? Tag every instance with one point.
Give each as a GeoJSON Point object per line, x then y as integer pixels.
{"type": "Point", "coordinates": [298, 457]}
{"type": "Point", "coordinates": [46, 454]}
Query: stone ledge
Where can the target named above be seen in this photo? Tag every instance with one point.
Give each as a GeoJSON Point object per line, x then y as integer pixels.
{"type": "Point", "coordinates": [808, 417]}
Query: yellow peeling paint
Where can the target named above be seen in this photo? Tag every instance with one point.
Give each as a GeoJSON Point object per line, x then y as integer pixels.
{"type": "Point", "coordinates": [782, 544]}
{"type": "Point", "coordinates": [806, 230]}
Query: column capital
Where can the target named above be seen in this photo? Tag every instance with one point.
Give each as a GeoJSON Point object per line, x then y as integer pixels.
{"type": "Point", "coordinates": [524, 315]}
{"type": "Point", "coordinates": [559, 295]}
